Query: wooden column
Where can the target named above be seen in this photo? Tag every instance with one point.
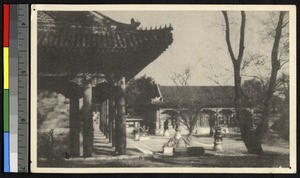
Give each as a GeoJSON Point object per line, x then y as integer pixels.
{"type": "Point", "coordinates": [112, 115]}
{"type": "Point", "coordinates": [172, 121]}
{"type": "Point", "coordinates": [87, 122]}
{"type": "Point", "coordinates": [100, 118]}
{"type": "Point", "coordinates": [120, 123]}
{"type": "Point", "coordinates": [156, 120]}
{"type": "Point", "coordinates": [107, 119]}
{"type": "Point", "coordinates": [74, 122]}
{"type": "Point", "coordinates": [113, 139]}
{"type": "Point", "coordinates": [103, 117]}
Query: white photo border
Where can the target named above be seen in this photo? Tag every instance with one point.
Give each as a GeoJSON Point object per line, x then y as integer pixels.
{"type": "Point", "coordinates": [292, 70]}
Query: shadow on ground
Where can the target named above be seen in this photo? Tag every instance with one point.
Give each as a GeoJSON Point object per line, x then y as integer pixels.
{"type": "Point", "coordinates": [207, 160]}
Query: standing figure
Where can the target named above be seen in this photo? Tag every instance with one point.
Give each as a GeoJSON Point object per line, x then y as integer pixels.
{"type": "Point", "coordinates": [166, 125]}
{"type": "Point", "coordinates": [166, 128]}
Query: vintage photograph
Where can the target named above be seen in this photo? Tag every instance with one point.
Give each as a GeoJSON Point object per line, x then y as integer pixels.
{"type": "Point", "coordinates": [163, 89]}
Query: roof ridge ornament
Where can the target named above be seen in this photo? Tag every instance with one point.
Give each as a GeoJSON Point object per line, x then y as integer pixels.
{"type": "Point", "coordinates": [119, 25]}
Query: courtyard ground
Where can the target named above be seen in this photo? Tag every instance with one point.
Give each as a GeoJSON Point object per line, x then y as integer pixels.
{"type": "Point", "coordinates": [148, 153]}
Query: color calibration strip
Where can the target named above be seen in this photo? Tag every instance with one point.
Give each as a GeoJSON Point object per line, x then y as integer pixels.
{"type": "Point", "coordinates": [13, 87]}
{"type": "Point", "coordinates": [15, 70]}
{"type": "Point", "coordinates": [6, 138]}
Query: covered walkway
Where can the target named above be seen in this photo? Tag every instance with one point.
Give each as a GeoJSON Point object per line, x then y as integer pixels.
{"type": "Point", "coordinates": [91, 62]}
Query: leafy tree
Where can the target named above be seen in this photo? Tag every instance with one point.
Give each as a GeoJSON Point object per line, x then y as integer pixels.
{"type": "Point", "coordinates": [254, 90]}
{"type": "Point", "coordinates": [138, 94]}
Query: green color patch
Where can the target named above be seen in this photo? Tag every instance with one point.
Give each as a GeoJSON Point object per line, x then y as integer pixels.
{"type": "Point", "coordinates": [6, 111]}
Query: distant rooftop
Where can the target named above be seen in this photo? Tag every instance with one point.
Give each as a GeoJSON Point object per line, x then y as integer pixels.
{"type": "Point", "coordinates": [205, 96]}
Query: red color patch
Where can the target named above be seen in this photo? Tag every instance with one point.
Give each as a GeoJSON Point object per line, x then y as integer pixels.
{"type": "Point", "coordinates": [5, 25]}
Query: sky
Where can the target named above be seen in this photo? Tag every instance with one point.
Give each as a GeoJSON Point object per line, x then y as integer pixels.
{"type": "Point", "coordinates": [199, 42]}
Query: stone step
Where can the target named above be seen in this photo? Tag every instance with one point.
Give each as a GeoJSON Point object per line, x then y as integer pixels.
{"type": "Point", "coordinates": [99, 135]}
{"type": "Point", "coordinates": [103, 149]}
{"type": "Point", "coordinates": [99, 138]}
{"type": "Point", "coordinates": [143, 148]}
{"type": "Point", "coordinates": [99, 143]}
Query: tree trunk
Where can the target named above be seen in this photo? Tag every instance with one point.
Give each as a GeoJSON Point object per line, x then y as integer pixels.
{"type": "Point", "coordinates": [244, 117]}
{"type": "Point", "coordinates": [263, 125]}
{"type": "Point", "coordinates": [252, 143]}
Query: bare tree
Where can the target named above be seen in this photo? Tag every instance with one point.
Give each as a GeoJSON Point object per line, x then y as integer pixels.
{"type": "Point", "coordinates": [246, 131]}
{"type": "Point", "coordinates": [189, 113]}
{"type": "Point", "coordinates": [276, 63]}
{"type": "Point", "coordinates": [190, 117]}
{"type": "Point", "coordinates": [181, 79]}
{"type": "Point", "coordinates": [252, 138]}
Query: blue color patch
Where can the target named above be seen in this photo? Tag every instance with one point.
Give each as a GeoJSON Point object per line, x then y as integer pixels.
{"type": "Point", "coordinates": [6, 152]}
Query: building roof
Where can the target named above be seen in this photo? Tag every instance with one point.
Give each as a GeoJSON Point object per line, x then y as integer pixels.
{"type": "Point", "coordinates": [89, 41]}
{"type": "Point", "coordinates": [204, 96]}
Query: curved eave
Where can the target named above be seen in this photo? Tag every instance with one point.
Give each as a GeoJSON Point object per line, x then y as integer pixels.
{"type": "Point", "coordinates": [116, 41]}
{"type": "Point", "coordinates": [75, 52]}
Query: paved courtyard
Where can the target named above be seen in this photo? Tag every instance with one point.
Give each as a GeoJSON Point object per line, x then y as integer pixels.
{"type": "Point", "coordinates": [234, 152]}
{"type": "Point", "coordinates": [148, 153]}
{"type": "Point", "coordinates": [232, 144]}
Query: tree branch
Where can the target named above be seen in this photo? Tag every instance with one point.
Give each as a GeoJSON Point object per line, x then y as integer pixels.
{"type": "Point", "coordinates": [242, 37]}
{"type": "Point", "coordinates": [285, 24]}
{"type": "Point", "coordinates": [283, 63]}
{"type": "Point", "coordinates": [227, 31]}
{"type": "Point", "coordinates": [263, 125]}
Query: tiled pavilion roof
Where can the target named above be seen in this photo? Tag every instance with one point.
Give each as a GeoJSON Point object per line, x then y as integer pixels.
{"type": "Point", "coordinates": [96, 44]}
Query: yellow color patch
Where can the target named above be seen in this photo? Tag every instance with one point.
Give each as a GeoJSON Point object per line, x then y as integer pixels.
{"type": "Point", "coordinates": [6, 67]}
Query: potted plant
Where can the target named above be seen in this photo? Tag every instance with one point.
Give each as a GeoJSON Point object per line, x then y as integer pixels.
{"type": "Point", "coordinates": [169, 147]}
{"type": "Point", "coordinates": [175, 144]}
{"type": "Point", "coordinates": [141, 133]}
{"type": "Point", "coordinates": [218, 139]}
{"type": "Point", "coordinates": [144, 133]}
